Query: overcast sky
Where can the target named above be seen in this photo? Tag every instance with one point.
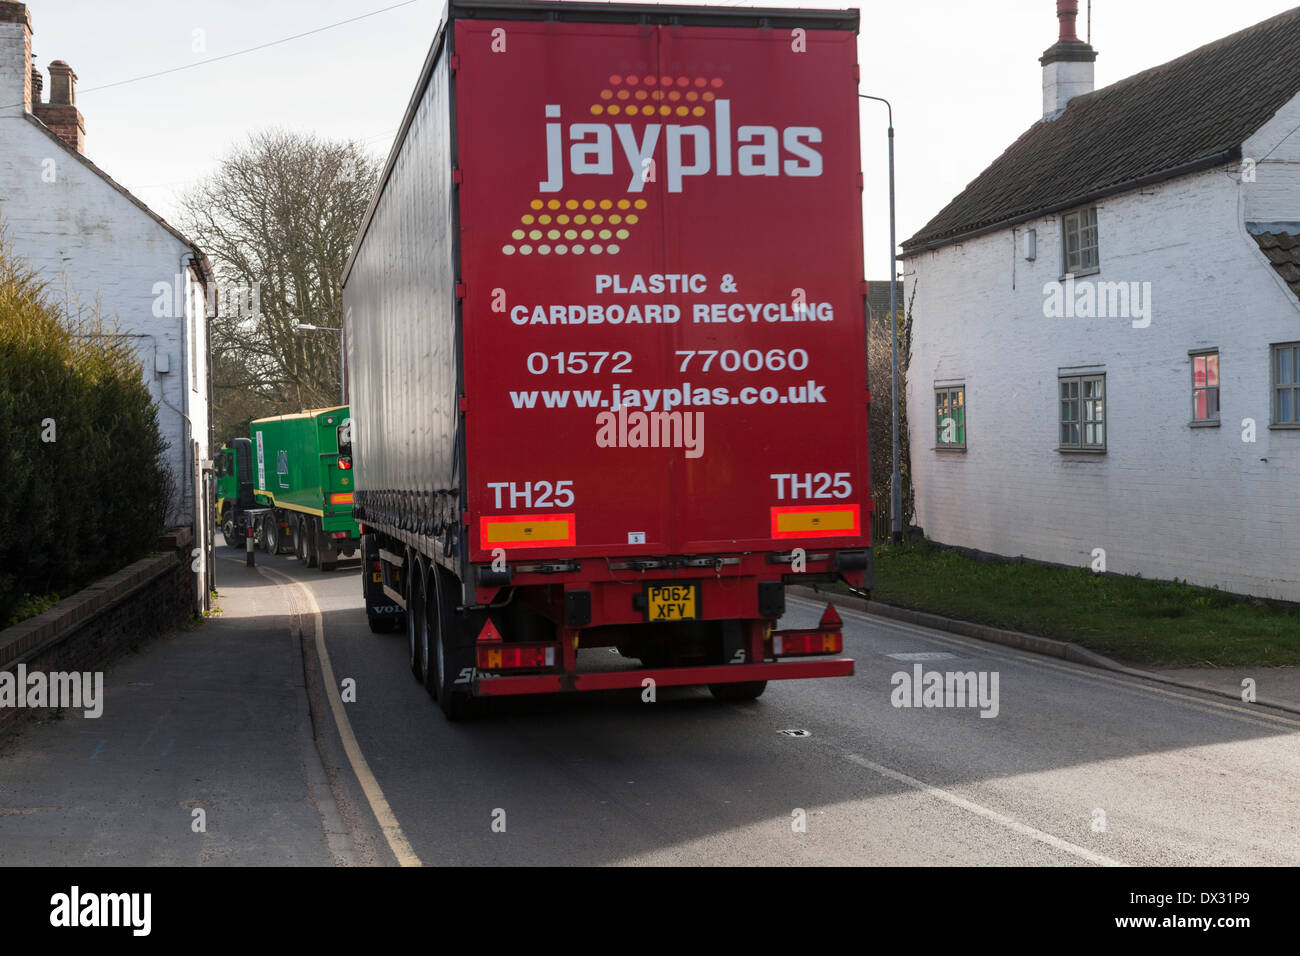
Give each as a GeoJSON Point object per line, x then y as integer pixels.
{"type": "Point", "coordinates": [963, 76]}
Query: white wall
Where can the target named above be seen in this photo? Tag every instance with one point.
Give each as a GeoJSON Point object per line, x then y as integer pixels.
{"type": "Point", "coordinates": [15, 58]}
{"type": "Point", "coordinates": [1166, 500]}
{"type": "Point", "coordinates": [93, 246]}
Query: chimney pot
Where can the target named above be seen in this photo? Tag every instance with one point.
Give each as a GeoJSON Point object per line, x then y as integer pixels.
{"type": "Point", "coordinates": [1067, 11]}
{"type": "Point", "coordinates": [60, 114]}
{"type": "Point", "coordinates": [38, 87]}
{"type": "Point", "coordinates": [1067, 64]}
{"type": "Point", "coordinates": [63, 84]}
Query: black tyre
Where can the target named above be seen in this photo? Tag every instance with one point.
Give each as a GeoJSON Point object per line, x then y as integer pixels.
{"type": "Point", "coordinates": [745, 690]}
{"type": "Point", "coordinates": [312, 544]}
{"type": "Point", "coordinates": [272, 524]}
{"type": "Point", "coordinates": [414, 620]}
{"type": "Point", "coordinates": [300, 539]}
{"type": "Point", "coordinates": [230, 532]}
{"type": "Point", "coordinates": [453, 655]}
{"type": "Point", "coordinates": [261, 534]}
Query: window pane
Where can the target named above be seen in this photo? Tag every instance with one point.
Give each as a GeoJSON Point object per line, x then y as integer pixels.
{"type": "Point", "coordinates": [1201, 412]}
{"type": "Point", "coordinates": [1284, 411]}
{"type": "Point", "coordinates": [1212, 402]}
{"type": "Point", "coordinates": [1212, 369]}
{"type": "Point", "coordinates": [1282, 365]}
{"type": "Point", "coordinates": [1198, 371]}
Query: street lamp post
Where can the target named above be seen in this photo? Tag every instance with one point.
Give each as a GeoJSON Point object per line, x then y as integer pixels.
{"type": "Point", "coordinates": [895, 482]}
{"type": "Point", "coordinates": [302, 327]}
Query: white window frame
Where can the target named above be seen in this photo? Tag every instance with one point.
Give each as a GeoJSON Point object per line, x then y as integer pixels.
{"type": "Point", "coordinates": [1082, 225]}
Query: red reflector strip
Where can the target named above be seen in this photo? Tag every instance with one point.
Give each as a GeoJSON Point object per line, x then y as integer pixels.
{"type": "Point", "coordinates": [494, 657]}
{"type": "Point", "coordinates": [795, 644]}
{"type": "Point", "coordinates": [526, 531]}
{"type": "Point", "coordinates": [341, 498]}
{"type": "Point", "coordinates": [817, 521]}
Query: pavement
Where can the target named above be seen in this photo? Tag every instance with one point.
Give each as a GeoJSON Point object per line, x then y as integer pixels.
{"type": "Point", "coordinates": [213, 719]}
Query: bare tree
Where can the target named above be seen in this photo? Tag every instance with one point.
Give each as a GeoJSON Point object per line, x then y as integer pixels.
{"type": "Point", "coordinates": [278, 218]}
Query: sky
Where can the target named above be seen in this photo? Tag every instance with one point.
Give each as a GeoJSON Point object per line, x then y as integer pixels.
{"type": "Point", "coordinates": [963, 77]}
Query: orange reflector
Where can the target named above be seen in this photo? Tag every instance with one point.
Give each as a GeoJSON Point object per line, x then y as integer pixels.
{"type": "Point", "coordinates": [526, 531]}
{"type": "Point", "coordinates": [341, 498]}
{"type": "Point", "coordinates": [515, 656]}
{"type": "Point", "coordinates": [817, 521]}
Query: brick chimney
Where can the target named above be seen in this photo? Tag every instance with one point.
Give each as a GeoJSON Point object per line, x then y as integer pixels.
{"type": "Point", "coordinates": [15, 59]}
{"type": "Point", "coordinates": [1067, 64]}
{"type": "Point", "coordinates": [60, 114]}
{"type": "Point", "coordinates": [38, 85]}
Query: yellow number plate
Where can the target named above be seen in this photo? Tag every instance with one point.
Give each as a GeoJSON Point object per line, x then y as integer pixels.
{"type": "Point", "coordinates": [672, 602]}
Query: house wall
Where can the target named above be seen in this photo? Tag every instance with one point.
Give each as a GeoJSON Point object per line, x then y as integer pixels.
{"type": "Point", "coordinates": [1166, 500]}
{"type": "Point", "coordinates": [97, 249]}
{"type": "Point", "coordinates": [1275, 149]}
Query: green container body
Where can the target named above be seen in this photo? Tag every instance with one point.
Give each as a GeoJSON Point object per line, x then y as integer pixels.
{"type": "Point", "coordinates": [295, 466]}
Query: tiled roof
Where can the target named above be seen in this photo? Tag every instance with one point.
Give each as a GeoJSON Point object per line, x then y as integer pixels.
{"type": "Point", "coordinates": [878, 299]}
{"type": "Point", "coordinates": [1190, 113]}
{"type": "Point", "coordinates": [1280, 242]}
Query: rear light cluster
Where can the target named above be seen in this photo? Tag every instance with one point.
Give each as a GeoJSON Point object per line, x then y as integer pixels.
{"type": "Point", "coordinates": [515, 656]}
{"type": "Point", "coordinates": [793, 645]}
{"type": "Point", "coordinates": [826, 638]}
{"type": "Point", "coordinates": [345, 464]}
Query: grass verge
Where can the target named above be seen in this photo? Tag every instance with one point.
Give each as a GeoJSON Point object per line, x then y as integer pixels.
{"type": "Point", "coordinates": [1151, 623]}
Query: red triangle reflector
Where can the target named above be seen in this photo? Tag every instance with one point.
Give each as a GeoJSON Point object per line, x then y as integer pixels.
{"type": "Point", "coordinates": [830, 618]}
{"type": "Point", "coordinates": [489, 634]}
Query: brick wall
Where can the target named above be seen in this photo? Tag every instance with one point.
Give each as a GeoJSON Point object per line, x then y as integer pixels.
{"type": "Point", "coordinates": [114, 615]}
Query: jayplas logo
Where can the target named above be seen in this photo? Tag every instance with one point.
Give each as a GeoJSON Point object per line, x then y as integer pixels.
{"type": "Point", "coordinates": [630, 118]}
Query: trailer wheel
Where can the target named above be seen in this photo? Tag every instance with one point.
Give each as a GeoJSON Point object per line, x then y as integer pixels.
{"type": "Point", "coordinates": [272, 525]}
{"type": "Point", "coordinates": [300, 539]}
{"type": "Point", "coordinates": [312, 544]}
{"type": "Point", "coordinates": [744, 690]}
{"type": "Point", "coordinates": [414, 620]}
{"type": "Point", "coordinates": [230, 533]}
{"type": "Point", "coordinates": [260, 534]}
{"type": "Point", "coordinates": [453, 658]}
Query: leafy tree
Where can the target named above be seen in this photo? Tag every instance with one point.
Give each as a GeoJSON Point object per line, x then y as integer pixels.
{"type": "Point", "coordinates": [278, 219]}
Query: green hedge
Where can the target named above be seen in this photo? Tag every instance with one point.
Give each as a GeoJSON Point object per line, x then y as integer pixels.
{"type": "Point", "coordinates": [94, 498]}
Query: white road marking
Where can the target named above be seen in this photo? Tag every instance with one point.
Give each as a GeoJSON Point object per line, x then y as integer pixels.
{"type": "Point", "coordinates": [1001, 819]}
{"type": "Point", "coordinates": [1135, 685]}
{"type": "Point", "coordinates": [397, 841]}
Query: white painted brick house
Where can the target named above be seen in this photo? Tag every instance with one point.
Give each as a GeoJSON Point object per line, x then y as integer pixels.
{"type": "Point", "coordinates": [96, 245]}
{"type": "Point", "coordinates": [1166, 433]}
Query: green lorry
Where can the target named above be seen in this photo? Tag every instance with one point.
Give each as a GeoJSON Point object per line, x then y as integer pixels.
{"type": "Point", "coordinates": [291, 482]}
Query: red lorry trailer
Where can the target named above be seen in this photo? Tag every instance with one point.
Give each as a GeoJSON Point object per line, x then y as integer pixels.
{"type": "Point", "coordinates": [605, 329]}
